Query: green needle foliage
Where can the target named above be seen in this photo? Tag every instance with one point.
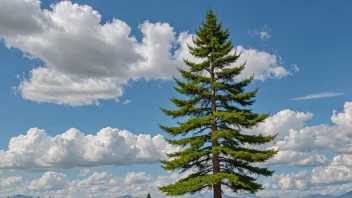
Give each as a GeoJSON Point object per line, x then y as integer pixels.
{"type": "Point", "coordinates": [148, 196]}
{"type": "Point", "coordinates": [215, 108]}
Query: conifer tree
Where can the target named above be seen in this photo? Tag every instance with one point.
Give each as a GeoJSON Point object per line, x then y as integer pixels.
{"type": "Point", "coordinates": [148, 196]}
{"type": "Point", "coordinates": [216, 111]}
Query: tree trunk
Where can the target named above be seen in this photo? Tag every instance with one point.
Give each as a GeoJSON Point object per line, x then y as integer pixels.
{"type": "Point", "coordinates": [216, 162]}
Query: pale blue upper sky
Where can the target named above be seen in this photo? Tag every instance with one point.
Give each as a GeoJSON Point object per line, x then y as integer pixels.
{"type": "Point", "coordinates": [313, 35]}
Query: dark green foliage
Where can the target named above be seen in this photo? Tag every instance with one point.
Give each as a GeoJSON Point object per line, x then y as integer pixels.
{"type": "Point", "coordinates": [148, 196]}
{"type": "Point", "coordinates": [216, 113]}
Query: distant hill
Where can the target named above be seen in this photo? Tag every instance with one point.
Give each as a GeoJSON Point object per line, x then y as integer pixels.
{"type": "Point", "coordinates": [347, 195]}
{"type": "Point", "coordinates": [21, 196]}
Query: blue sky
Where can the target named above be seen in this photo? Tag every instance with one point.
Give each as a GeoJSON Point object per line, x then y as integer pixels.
{"type": "Point", "coordinates": [276, 36]}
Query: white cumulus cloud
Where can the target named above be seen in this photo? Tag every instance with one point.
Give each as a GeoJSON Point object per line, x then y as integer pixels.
{"type": "Point", "coordinates": [38, 151]}
{"type": "Point", "coordinates": [49, 181]}
{"type": "Point", "coordinates": [85, 61]}
{"type": "Point", "coordinates": [136, 178]}
{"type": "Point", "coordinates": [307, 146]}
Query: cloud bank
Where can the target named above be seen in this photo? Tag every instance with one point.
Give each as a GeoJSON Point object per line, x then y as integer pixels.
{"type": "Point", "coordinates": [37, 151]}
{"type": "Point", "coordinates": [301, 146]}
{"type": "Point", "coordinates": [97, 184]}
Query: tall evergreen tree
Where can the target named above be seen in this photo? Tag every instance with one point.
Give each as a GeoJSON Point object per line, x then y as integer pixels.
{"type": "Point", "coordinates": [148, 196]}
{"type": "Point", "coordinates": [215, 107]}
